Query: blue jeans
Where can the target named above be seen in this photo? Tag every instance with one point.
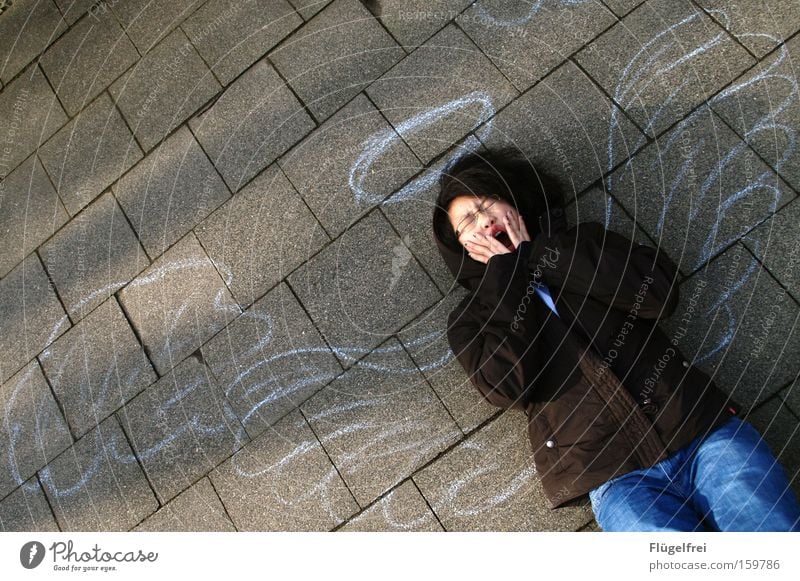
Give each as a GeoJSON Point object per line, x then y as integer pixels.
{"type": "Point", "coordinates": [727, 481]}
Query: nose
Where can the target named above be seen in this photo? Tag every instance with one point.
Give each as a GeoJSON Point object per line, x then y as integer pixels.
{"type": "Point", "coordinates": [485, 220]}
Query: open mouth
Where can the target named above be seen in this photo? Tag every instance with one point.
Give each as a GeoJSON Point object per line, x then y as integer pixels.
{"type": "Point", "coordinates": [503, 238]}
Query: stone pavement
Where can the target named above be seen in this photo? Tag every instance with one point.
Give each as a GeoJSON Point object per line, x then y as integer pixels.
{"type": "Point", "coordinates": [221, 307]}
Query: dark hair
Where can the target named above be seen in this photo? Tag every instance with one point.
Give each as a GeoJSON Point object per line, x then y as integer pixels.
{"type": "Point", "coordinates": [504, 173]}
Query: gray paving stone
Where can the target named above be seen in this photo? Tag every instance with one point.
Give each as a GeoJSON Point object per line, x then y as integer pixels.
{"type": "Point", "coordinates": [791, 395]}
{"type": "Point", "coordinates": [29, 114]}
{"type": "Point", "coordinates": [283, 481]}
{"type": "Point", "coordinates": [380, 421]}
{"type": "Point", "coordinates": [260, 235]}
{"type": "Point", "coordinates": [775, 243]}
{"type": "Point", "coordinates": [197, 509]}
{"type": "Point", "coordinates": [30, 211]}
{"type": "Point", "coordinates": [93, 256]}
{"type": "Point", "coordinates": [97, 484]}
{"type": "Point", "coordinates": [26, 509]}
{"type": "Point", "coordinates": [74, 9]}
{"type": "Point", "coordinates": [308, 8]}
{"type": "Point", "coordinates": [662, 60]}
{"type": "Point", "coordinates": [526, 41]}
{"type": "Point", "coordinates": [148, 21]}
{"type": "Point", "coordinates": [363, 287]}
{"type": "Point", "coordinates": [402, 510]}
{"type": "Point", "coordinates": [163, 89]}
{"type": "Point", "coordinates": [568, 126]}
{"type": "Point", "coordinates": [736, 324]}
{"type": "Point", "coordinates": [441, 92]}
{"type": "Point", "coordinates": [778, 426]}
{"type": "Point", "coordinates": [89, 153]}
{"type": "Point", "coordinates": [349, 164]}
{"type": "Point", "coordinates": [489, 483]}
{"type": "Point", "coordinates": [181, 427]}
{"type": "Point", "coordinates": [761, 25]}
{"type": "Point", "coordinates": [96, 367]}
{"type": "Point", "coordinates": [87, 59]}
{"type": "Point", "coordinates": [27, 28]}
{"type": "Point", "coordinates": [270, 360]}
{"type": "Point", "coordinates": [336, 55]}
{"type": "Point", "coordinates": [425, 338]}
{"type": "Point", "coordinates": [255, 120]}
{"type": "Point", "coordinates": [698, 189]}
{"type": "Point", "coordinates": [412, 22]}
{"type": "Point", "coordinates": [30, 315]}
{"type": "Point", "coordinates": [410, 209]}
{"type": "Point", "coordinates": [172, 190]}
{"type": "Point", "coordinates": [762, 107]}
{"type": "Point", "coordinates": [232, 35]}
{"type": "Point", "coordinates": [33, 430]}
{"type": "Point", "coordinates": [622, 7]}
{"type": "Point", "coordinates": [178, 303]}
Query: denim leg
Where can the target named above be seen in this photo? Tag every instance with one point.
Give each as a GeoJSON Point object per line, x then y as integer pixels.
{"type": "Point", "coordinates": [739, 485]}
{"type": "Point", "coordinates": [644, 500]}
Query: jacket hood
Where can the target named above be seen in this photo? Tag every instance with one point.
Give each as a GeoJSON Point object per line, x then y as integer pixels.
{"type": "Point", "coordinates": [469, 272]}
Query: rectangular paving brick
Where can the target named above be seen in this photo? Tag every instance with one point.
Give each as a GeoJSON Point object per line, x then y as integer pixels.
{"type": "Point", "coordinates": [33, 431]}
{"type": "Point", "coordinates": [763, 107]}
{"type": "Point", "coordinates": [704, 189]}
{"type": "Point", "coordinates": [260, 235]}
{"type": "Point", "coordinates": [29, 114]}
{"type": "Point", "coordinates": [89, 153]}
{"type": "Point", "coordinates": [181, 427]}
{"type": "Point", "coordinates": [283, 481]}
{"type": "Point", "coordinates": [760, 26]}
{"type": "Point", "coordinates": [380, 421]}
{"type": "Point", "coordinates": [26, 509]}
{"type": "Point", "coordinates": [336, 55]}
{"type": "Point", "coordinates": [363, 287]}
{"type": "Point", "coordinates": [576, 139]}
{"type": "Point", "coordinates": [164, 89]}
{"type": "Point", "coordinates": [170, 192]}
{"type": "Point", "coordinates": [410, 208]}
{"type": "Point", "coordinates": [231, 35]}
{"type": "Point", "coordinates": [662, 60]}
{"type": "Point", "coordinates": [196, 509]}
{"type": "Point", "coordinates": [30, 211]}
{"type": "Point", "coordinates": [774, 242]}
{"type": "Point", "coordinates": [31, 317]}
{"type": "Point", "coordinates": [425, 339]}
{"type": "Point", "coordinates": [489, 483]}
{"type": "Point", "coordinates": [26, 29]}
{"type": "Point", "coordinates": [74, 9]}
{"type": "Point", "coordinates": [93, 256]}
{"type": "Point", "coordinates": [441, 92]}
{"type": "Point", "coordinates": [402, 510]}
{"type": "Point", "coordinates": [622, 7]}
{"type": "Point", "coordinates": [528, 40]}
{"type": "Point", "coordinates": [148, 21]}
{"type": "Point", "coordinates": [270, 360]}
{"type": "Point", "coordinates": [97, 485]}
{"type": "Point", "coordinates": [349, 164]}
{"type": "Point", "coordinates": [178, 303]}
{"type": "Point", "coordinates": [412, 22]}
{"type": "Point", "coordinates": [739, 326]}
{"type": "Point", "coordinates": [87, 59]}
{"type": "Point", "coordinates": [255, 120]}
{"type": "Point", "coordinates": [308, 8]}
{"type": "Point", "coordinates": [96, 367]}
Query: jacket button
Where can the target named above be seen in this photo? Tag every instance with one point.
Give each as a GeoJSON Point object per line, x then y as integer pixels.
{"type": "Point", "coordinates": [646, 401]}
{"type": "Point", "coordinates": [686, 364]}
{"type": "Point", "coordinates": [550, 444]}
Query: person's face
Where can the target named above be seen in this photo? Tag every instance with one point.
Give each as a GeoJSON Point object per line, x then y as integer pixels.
{"type": "Point", "coordinates": [470, 214]}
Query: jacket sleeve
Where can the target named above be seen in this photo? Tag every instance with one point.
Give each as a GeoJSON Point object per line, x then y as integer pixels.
{"type": "Point", "coordinates": [491, 349]}
{"type": "Point", "coordinates": [589, 260]}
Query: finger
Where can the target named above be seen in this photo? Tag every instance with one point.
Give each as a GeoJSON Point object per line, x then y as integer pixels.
{"type": "Point", "coordinates": [511, 229]}
{"type": "Point", "coordinates": [523, 229]}
{"type": "Point", "coordinates": [475, 253]}
{"type": "Point", "coordinates": [492, 245]}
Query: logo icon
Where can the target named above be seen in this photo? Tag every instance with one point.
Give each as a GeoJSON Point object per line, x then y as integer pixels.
{"type": "Point", "coordinates": [31, 554]}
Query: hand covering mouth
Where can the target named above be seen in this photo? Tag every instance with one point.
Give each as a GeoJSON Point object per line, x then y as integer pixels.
{"type": "Point", "coordinates": [504, 239]}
